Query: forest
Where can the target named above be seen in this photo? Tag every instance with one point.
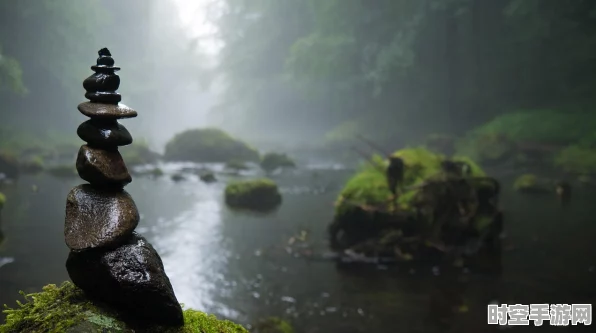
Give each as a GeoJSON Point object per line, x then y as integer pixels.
{"type": "Point", "coordinates": [300, 165]}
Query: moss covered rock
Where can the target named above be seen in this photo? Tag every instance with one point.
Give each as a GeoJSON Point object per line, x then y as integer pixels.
{"type": "Point", "coordinates": [273, 325]}
{"type": "Point", "coordinates": [370, 220]}
{"type": "Point", "coordinates": [66, 309]}
{"type": "Point", "coordinates": [273, 161]}
{"type": "Point", "coordinates": [208, 145]}
{"type": "Point", "coordinates": [2, 200]}
{"type": "Point", "coordinates": [530, 183]}
{"type": "Point", "coordinates": [255, 194]}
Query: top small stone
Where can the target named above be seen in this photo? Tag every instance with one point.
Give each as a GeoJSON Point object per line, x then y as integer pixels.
{"type": "Point", "coordinates": [101, 87]}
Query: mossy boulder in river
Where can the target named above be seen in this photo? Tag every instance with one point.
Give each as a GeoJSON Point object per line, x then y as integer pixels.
{"type": "Point", "coordinates": [438, 200]}
{"type": "Point", "coordinates": [67, 309]}
{"type": "Point", "coordinates": [273, 161]}
{"type": "Point", "coordinates": [2, 200]}
{"type": "Point", "coordinates": [255, 194]}
{"type": "Point", "coordinates": [531, 183]}
{"type": "Point", "coordinates": [208, 145]}
{"type": "Point", "coordinates": [273, 325]}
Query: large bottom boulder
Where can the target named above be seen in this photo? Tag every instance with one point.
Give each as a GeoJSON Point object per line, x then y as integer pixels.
{"type": "Point", "coordinates": [131, 278]}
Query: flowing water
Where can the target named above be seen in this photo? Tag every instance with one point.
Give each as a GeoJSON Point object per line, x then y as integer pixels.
{"type": "Point", "coordinates": [239, 265]}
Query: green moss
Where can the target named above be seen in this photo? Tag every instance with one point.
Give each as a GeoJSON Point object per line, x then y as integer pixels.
{"type": "Point", "coordinates": [65, 309]}
{"type": "Point", "coordinates": [272, 161]}
{"type": "Point", "coordinates": [208, 145]}
{"type": "Point", "coordinates": [2, 200]}
{"type": "Point", "coordinates": [369, 186]}
{"type": "Point", "coordinates": [273, 325]}
{"type": "Point", "coordinates": [576, 159]}
{"type": "Point", "coordinates": [138, 153]}
{"type": "Point", "coordinates": [258, 194]}
{"type": "Point", "coordinates": [530, 183]}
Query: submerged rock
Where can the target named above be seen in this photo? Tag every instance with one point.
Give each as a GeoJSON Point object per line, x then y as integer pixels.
{"type": "Point", "coordinates": [68, 309]}
{"type": "Point", "coordinates": [208, 177]}
{"type": "Point", "coordinates": [102, 167]}
{"type": "Point", "coordinates": [256, 194]}
{"type": "Point", "coordinates": [131, 278]}
{"type": "Point", "coordinates": [103, 134]}
{"type": "Point", "coordinates": [98, 218]}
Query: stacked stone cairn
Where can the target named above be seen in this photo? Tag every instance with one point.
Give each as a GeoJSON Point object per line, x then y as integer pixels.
{"type": "Point", "coordinates": [109, 261]}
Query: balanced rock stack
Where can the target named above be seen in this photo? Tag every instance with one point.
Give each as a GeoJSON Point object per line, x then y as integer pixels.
{"type": "Point", "coordinates": [108, 260]}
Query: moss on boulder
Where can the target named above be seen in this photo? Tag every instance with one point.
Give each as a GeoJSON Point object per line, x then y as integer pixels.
{"type": "Point", "coordinates": [2, 200]}
{"type": "Point", "coordinates": [66, 309]}
{"type": "Point", "coordinates": [273, 325]}
{"type": "Point", "coordinates": [369, 220]}
{"type": "Point", "coordinates": [255, 194]}
{"type": "Point", "coordinates": [273, 161]}
{"type": "Point", "coordinates": [208, 145]}
{"type": "Point", "coordinates": [530, 183]}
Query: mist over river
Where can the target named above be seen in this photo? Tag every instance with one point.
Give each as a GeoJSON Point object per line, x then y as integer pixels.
{"type": "Point", "coordinates": [240, 266]}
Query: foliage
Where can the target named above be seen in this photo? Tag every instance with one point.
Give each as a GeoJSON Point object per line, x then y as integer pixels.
{"type": "Point", "coordinates": [11, 74]}
{"type": "Point", "coordinates": [56, 309]}
{"type": "Point", "coordinates": [273, 325]}
{"type": "Point", "coordinates": [272, 161]}
{"type": "Point", "coordinates": [530, 183]}
{"type": "Point", "coordinates": [576, 159]}
{"type": "Point", "coordinates": [208, 145]}
{"type": "Point", "coordinates": [258, 194]}
{"type": "Point", "coordinates": [544, 126]}
{"type": "Point", "coordinates": [2, 200]}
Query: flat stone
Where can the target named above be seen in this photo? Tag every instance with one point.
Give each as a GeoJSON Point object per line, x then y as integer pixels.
{"type": "Point", "coordinates": [104, 133]}
{"type": "Point", "coordinates": [103, 96]}
{"type": "Point", "coordinates": [130, 278]}
{"type": "Point", "coordinates": [106, 111]}
{"type": "Point", "coordinates": [104, 168]}
{"type": "Point", "coordinates": [98, 217]}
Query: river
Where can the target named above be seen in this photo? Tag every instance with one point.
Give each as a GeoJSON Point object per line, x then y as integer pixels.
{"type": "Point", "coordinates": [239, 266]}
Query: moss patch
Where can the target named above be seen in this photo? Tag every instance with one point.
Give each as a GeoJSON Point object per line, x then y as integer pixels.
{"type": "Point", "coordinates": [208, 145]}
{"type": "Point", "coordinates": [2, 200]}
{"type": "Point", "coordinates": [256, 194]}
{"type": "Point", "coordinates": [530, 183]}
{"type": "Point", "coordinates": [273, 325]}
{"type": "Point", "coordinates": [273, 161]}
{"type": "Point", "coordinates": [65, 309]}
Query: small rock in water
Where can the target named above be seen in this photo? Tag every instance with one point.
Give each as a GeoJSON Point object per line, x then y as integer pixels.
{"type": "Point", "coordinates": [98, 218]}
{"type": "Point", "coordinates": [100, 134]}
{"type": "Point", "coordinates": [102, 167]}
{"type": "Point", "coordinates": [208, 177]}
{"type": "Point", "coordinates": [130, 278]}
{"type": "Point", "coordinates": [106, 111]}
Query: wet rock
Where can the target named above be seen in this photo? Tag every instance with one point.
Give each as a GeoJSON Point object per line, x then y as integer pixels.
{"type": "Point", "coordinates": [100, 134]}
{"type": "Point", "coordinates": [103, 97]}
{"type": "Point", "coordinates": [101, 82]}
{"type": "Point", "coordinates": [208, 177]}
{"type": "Point", "coordinates": [102, 167]}
{"type": "Point", "coordinates": [98, 218]}
{"type": "Point", "coordinates": [106, 111]}
{"type": "Point", "coordinates": [130, 278]}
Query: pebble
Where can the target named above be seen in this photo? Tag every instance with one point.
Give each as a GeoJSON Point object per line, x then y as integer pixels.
{"type": "Point", "coordinates": [104, 168]}
{"type": "Point", "coordinates": [99, 133]}
{"type": "Point", "coordinates": [106, 111]}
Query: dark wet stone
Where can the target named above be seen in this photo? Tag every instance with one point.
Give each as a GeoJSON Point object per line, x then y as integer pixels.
{"type": "Point", "coordinates": [98, 217]}
{"type": "Point", "coordinates": [103, 97]}
{"type": "Point", "coordinates": [101, 82]}
{"type": "Point", "coordinates": [131, 278]}
{"type": "Point", "coordinates": [106, 133]}
{"type": "Point", "coordinates": [106, 111]}
{"type": "Point", "coordinates": [102, 167]}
